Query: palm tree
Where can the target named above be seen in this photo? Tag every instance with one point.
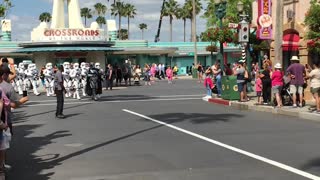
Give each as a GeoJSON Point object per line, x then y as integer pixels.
{"type": "Point", "coordinates": [188, 5]}
{"type": "Point", "coordinates": [184, 15]}
{"type": "Point", "coordinates": [170, 9]}
{"type": "Point", "coordinates": [87, 14]}
{"type": "Point", "coordinates": [5, 8]}
{"type": "Point", "coordinates": [130, 11]}
{"type": "Point", "coordinates": [45, 17]}
{"type": "Point", "coordinates": [117, 9]}
{"type": "Point", "coordinates": [142, 27]}
{"type": "Point", "coordinates": [100, 9]}
{"type": "Point", "coordinates": [101, 20]}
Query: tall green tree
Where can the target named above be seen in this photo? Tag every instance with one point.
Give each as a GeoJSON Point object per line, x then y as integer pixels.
{"type": "Point", "coordinates": [170, 10]}
{"type": "Point", "coordinates": [5, 8]}
{"type": "Point", "coordinates": [183, 14]}
{"type": "Point", "coordinates": [189, 8]}
{"type": "Point", "coordinates": [86, 14]}
{"type": "Point", "coordinates": [100, 8]}
{"type": "Point", "coordinates": [45, 17]}
{"type": "Point", "coordinates": [101, 20]}
{"type": "Point", "coordinates": [232, 14]}
{"type": "Point", "coordinates": [312, 20]}
{"type": "Point", "coordinates": [117, 9]}
{"type": "Point", "coordinates": [130, 12]}
{"type": "Point", "coordinates": [142, 27]}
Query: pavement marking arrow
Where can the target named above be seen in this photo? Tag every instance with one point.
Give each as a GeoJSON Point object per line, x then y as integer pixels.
{"type": "Point", "coordinates": [240, 151]}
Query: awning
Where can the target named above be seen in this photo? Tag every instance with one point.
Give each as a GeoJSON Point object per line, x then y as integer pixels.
{"type": "Point", "coordinates": [65, 48]}
{"type": "Point", "coordinates": [290, 42]}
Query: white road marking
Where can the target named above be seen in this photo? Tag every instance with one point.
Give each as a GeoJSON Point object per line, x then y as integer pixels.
{"type": "Point", "coordinates": [115, 101]}
{"type": "Point", "coordinates": [73, 145]}
{"type": "Point", "coordinates": [240, 151]}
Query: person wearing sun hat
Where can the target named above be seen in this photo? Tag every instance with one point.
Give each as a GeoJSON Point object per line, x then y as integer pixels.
{"type": "Point", "coordinates": [297, 72]}
{"type": "Point", "coordinates": [277, 83]}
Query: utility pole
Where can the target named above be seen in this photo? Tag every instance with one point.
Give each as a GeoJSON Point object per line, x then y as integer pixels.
{"type": "Point", "coordinates": [278, 32]}
{"type": "Point", "coordinates": [194, 33]}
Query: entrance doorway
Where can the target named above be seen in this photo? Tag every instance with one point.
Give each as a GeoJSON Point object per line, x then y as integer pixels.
{"type": "Point", "coordinates": [290, 47]}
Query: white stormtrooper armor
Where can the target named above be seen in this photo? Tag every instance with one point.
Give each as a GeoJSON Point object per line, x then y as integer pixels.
{"type": "Point", "coordinates": [98, 66]}
{"type": "Point", "coordinates": [84, 74]}
{"type": "Point", "coordinates": [32, 77]}
{"type": "Point", "coordinates": [49, 79]}
{"type": "Point", "coordinates": [75, 75]}
{"type": "Point", "coordinates": [20, 78]}
{"type": "Point", "coordinates": [66, 78]}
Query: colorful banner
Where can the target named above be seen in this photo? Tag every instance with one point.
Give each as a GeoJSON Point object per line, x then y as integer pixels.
{"type": "Point", "coordinates": [264, 19]}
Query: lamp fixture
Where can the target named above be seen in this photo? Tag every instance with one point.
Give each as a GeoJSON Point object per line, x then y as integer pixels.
{"type": "Point", "coordinates": [240, 6]}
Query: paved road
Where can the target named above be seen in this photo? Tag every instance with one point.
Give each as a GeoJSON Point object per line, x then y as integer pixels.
{"type": "Point", "coordinates": [161, 132]}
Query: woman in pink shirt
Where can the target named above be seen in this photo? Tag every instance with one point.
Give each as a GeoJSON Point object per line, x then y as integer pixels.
{"type": "Point", "coordinates": [277, 83]}
{"type": "Point", "coordinates": [258, 84]}
{"type": "Point", "coordinates": [169, 74]}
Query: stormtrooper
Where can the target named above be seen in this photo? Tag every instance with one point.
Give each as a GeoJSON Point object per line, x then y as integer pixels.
{"type": "Point", "coordinates": [84, 73]}
{"type": "Point", "coordinates": [67, 83]}
{"type": "Point", "coordinates": [75, 75]}
{"type": "Point", "coordinates": [100, 79]}
{"type": "Point", "coordinates": [20, 78]}
{"type": "Point", "coordinates": [49, 79]}
{"type": "Point", "coordinates": [32, 78]}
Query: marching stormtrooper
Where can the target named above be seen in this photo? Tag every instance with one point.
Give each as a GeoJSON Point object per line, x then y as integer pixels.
{"type": "Point", "coordinates": [84, 74]}
{"type": "Point", "coordinates": [20, 78]}
{"type": "Point", "coordinates": [49, 79]}
{"type": "Point", "coordinates": [32, 77]}
{"type": "Point", "coordinates": [92, 85]}
{"type": "Point", "coordinates": [75, 75]}
{"type": "Point", "coordinates": [67, 83]}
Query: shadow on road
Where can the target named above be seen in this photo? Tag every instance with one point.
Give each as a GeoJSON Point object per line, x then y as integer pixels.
{"type": "Point", "coordinates": [30, 167]}
{"type": "Point", "coordinates": [195, 118]}
{"type": "Point", "coordinates": [312, 164]}
{"type": "Point", "coordinates": [21, 156]}
{"type": "Point", "coordinates": [124, 97]}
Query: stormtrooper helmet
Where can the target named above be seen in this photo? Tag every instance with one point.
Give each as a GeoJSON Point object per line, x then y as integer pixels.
{"type": "Point", "coordinates": [76, 66]}
{"type": "Point", "coordinates": [66, 65]}
{"type": "Point", "coordinates": [31, 66]}
{"type": "Point", "coordinates": [97, 65]}
{"type": "Point", "coordinates": [49, 66]}
{"type": "Point", "coordinates": [15, 66]}
{"type": "Point", "coordinates": [83, 65]}
{"type": "Point", "coordinates": [21, 66]}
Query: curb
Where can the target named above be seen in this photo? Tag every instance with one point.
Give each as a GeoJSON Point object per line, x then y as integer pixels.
{"type": "Point", "coordinates": [268, 109]}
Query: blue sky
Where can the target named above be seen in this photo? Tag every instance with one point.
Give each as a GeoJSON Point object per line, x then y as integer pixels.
{"type": "Point", "coordinates": [25, 13]}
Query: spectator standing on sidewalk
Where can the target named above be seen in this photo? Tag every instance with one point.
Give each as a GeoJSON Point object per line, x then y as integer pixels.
{"type": "Point", "coordinates": [239, 72]}
{"type": "Point", "coordinates": [109, 77]}
{"type": "Point", "coordinates": [314, 76]}
{"type": "Point", "coordinates": [297, 72]}
{"type": "Point", "coordinates": [217, 72]}
{"type": "Point", "coordinates": [266, 84]}
{"type": "Point", "coordinates": [208, 84]}
{"type": "Point", "coordinates": [277, 83]}
{"type": "Point", "coordinates": [258, 84]}
{"type": "Point", "coordinates": [199, 72]}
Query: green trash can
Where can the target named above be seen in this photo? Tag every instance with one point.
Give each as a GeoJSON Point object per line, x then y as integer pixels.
{"type": "Point", "coordinates": [194, 73]}
{"type": "Point", "coordinates": [230, 88]}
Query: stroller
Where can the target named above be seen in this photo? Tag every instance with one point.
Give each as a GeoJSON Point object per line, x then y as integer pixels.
{"type": "Point", "coordinates": [286, 96]}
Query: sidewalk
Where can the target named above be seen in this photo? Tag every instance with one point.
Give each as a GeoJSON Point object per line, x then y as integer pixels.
{"type": "Point", "coordinates": [303, 112]}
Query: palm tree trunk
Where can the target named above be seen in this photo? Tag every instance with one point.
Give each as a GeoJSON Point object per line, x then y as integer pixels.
{"type": "Point", "coordinates": [119, 31]}
{"type": "Point", "coordinates": [85, 21]}
{"type": "Point", "coordinates": [142, 35]}
{"type": "Point", "coordinates": [184, 30]}
{"type": "Point", "coordinates": [191, 30]}
{"type": "Point", "coordinates": [171, 18]}
{"type": "Point", "coordinates": [128, 28]}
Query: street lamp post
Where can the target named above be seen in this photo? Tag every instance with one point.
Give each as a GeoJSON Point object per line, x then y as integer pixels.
{"type": "Point", "coordinates": [244, 29]}
{"type": "Point", "coordinates": [220, 12]}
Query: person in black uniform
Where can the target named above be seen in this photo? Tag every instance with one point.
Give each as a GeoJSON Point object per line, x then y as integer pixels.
{"type": "Point", "coordinates": [92, 82]}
